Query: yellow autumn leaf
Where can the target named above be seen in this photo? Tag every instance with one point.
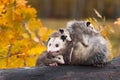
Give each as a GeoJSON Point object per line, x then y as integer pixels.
{"type": "Point", "coordinates": [117, 21]}
{"type": "Point", "coordinates": [21, 34]}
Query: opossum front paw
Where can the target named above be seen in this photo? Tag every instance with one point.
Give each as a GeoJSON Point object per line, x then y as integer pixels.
{"type": "Point", "coordinates": [99, 65]}
{"type": "Point", "coordinates": [53, 64]}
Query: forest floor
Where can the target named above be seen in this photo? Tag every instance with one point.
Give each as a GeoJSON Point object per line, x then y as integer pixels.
{"type": "Point", "coordinates": [113, 36]}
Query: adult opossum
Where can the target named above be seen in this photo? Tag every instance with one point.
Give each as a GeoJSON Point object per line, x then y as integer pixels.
{"type": "Point", "coordinates": [45, 60]}
{"type": "Point", "coordinates": [90, 48]}
{"type": "Point", "coordinates": [87, 46]}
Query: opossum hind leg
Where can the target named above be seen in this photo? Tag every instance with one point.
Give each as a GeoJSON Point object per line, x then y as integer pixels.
{"type": "Point", "coordinates": [99, 59]}
{"type": "Point", "coordinates": [100, 65]}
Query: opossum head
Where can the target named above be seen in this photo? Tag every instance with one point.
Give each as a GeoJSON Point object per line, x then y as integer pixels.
{"type": "Point", "coordinates": [56, 44]}
{"type": "Point", "coordinates": [59, 59]}
{"type": "Point", "coordinates": [85, 26]}
{"type": "Point", "coordinates": [90, 27]}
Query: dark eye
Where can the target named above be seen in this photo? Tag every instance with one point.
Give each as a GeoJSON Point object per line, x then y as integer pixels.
{"type": "Point", "coordinates": [88, 23]}
{"type": "Point", "coordinates": [50, 44]}
{"type": "Point", "coordinates": [53, 56]}
{"type": "Point", "coordinates": [56, 45]}
{"type": "Point", "coordinates": [59, 58]}
{"type": "Point", "coordinates": [63, 37]}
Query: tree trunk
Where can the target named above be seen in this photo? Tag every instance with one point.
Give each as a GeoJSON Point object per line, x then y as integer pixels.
{"type": "Point", "coordinates": [110, 72]}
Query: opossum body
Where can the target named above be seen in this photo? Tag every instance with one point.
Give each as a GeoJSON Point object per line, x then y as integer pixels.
{"type": "Point", "coordinates": [90, 47]}
{"type": "Point", "coordinates": [45, 60]}
{"type": "Point", "coordinates": [95, 53]}
{"type": "Point", "coordinates": [87, 46]}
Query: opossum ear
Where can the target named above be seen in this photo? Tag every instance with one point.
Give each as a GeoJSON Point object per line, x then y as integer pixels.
{"type": "Point", "coordinates": [88, 23]}
{"type": "Point", "coordinates": [63, 37]}
{"type": "Point", "coordinates": [68, 38]}
{"type": "Point", "coordinates": [61, 31]}
{"type": "Point", "coordinates": [48, 41]}
{"type": "Point", "coordinates": [85, 40]}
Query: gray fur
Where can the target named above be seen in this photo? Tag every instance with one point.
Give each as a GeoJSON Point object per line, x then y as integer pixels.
{"type": "Point", "coordinates": [90, 47]}
{"type": "Point", "coordinates": [45, 59]}
{"type": "Point", "coordinates": [86, 47]}
{"type": "Point", "coordinates": [94, 53]}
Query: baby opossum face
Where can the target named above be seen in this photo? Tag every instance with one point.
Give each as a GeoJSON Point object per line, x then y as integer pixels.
{"type": "Point", "coordinates": [56, 44]}
{"type": "Point", "coordinates": [84, 25]}
{"type": "Point", "coordinates": [89, 26]}
{"type": "Point", "coordinates": [59, 59]}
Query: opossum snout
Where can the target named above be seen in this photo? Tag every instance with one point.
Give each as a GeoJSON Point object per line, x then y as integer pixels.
{"type": "Point", "coordinates": [63, 63]}
{"type": "Point", "coordinates": [53, 52]}
{"type": "Point", "coordinates": [50, 52]}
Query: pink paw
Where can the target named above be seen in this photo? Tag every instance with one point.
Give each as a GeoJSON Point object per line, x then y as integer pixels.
{"type": "Point", "coordinates": [53, 64]}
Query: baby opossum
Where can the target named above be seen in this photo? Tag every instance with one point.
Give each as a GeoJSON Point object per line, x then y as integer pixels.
{"type": "Point", "coordinates": [45, 60]}
{"type": "Point", "coordinates": [87, 46]}
{"type": "Point", "coordinates": [79, 30]}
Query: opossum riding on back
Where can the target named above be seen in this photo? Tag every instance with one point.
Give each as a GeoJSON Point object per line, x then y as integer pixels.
{"type": "Point", "coordinates": [87, 46]}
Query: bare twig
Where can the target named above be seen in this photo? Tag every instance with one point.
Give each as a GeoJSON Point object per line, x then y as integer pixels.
{"type": "Point", "coordinates": [24, 62]}
{"type": "Point", "coordinates": [97, 13]}
{"type": "Point", "coordinates": [38, 37]}
{"type": "Point", "coordinates": [26, 29]}
{"type": "Point", "coordinates": [8, 54]}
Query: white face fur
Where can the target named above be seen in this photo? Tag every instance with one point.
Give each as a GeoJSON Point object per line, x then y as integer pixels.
{"type": "Point", "coordinates": [55, 44]}
{"type": "Point", "coordinates": [59, 59]}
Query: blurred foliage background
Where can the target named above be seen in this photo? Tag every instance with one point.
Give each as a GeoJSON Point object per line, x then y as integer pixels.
{"type": "Point", "coordinates": [26, 24]}
{"type": "Point", "coordinates": [22, 36]}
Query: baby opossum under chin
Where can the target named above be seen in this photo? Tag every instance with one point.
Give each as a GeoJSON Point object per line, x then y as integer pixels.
{"type": "Point", "coordinates": [59, 59]}
{"type": "Point", "coordinates": [45, 60]}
